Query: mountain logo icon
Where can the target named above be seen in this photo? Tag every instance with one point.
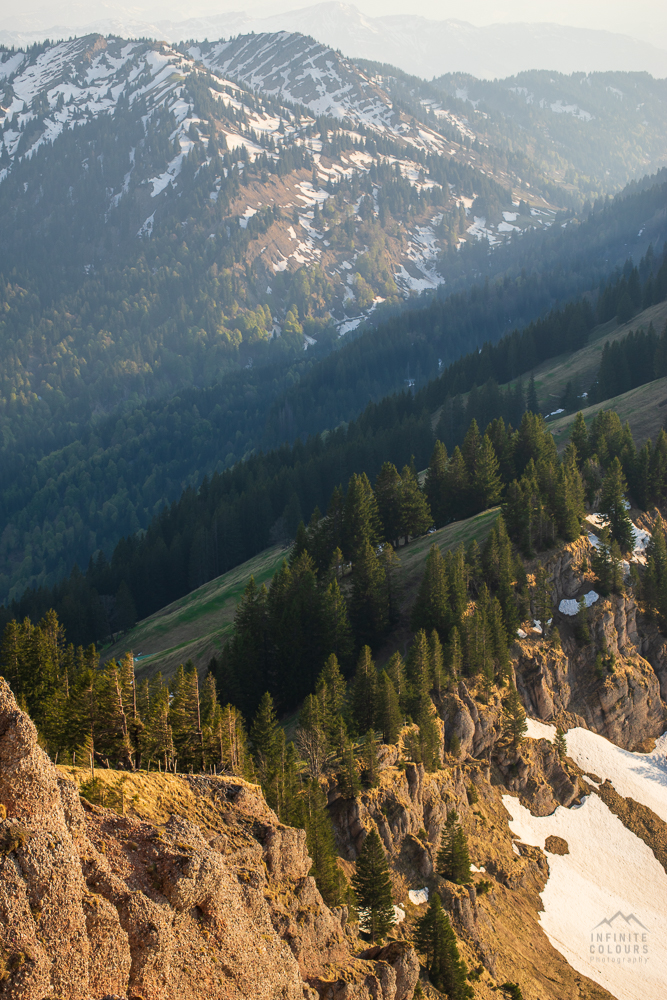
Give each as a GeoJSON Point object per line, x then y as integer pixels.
{"type": "Point", "coordinates": [630, 920]}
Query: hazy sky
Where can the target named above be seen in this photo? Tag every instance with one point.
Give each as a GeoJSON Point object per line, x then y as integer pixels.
{"type": "Point", "coordinates": [646, 19]}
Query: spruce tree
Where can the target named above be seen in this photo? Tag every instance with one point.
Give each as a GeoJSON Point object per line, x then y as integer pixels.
{"type": "Point", "coordinates": [560, 743]}
{"type": "Point", "coordinates": [361, 519]}
{"type": "Point", "coordinates": [337, 631]}
{"type": "Point", "coordinates": [437, 661]}
{"type": "Point", "coordinates": [470, 449]}
{"type": "Point", "coordinates": [349, 781]}
{"type": "Point", "coordinates": [264, 739]}
{"type": "Point", "coordinates": [390, 562]}
{"type": "Point", "coordinates": [486, 484]}
{"type": "Point", "coordinates": [541, 597]}
{"type": "Point", "coordinates": [429, 734]}
{"type": "Point", "coordinates": [372, 886]}
{"type": "Point", "coordinates": [389, 495]}
{"type": "Point", "coordinates": [581, 628]}
{"type": "Point", "coordinates": [322, 847]}
{"type": "Point", "coordinates": [431, 609]}
{"type": "Point", "coordinates": [458, 485]}
{"type": "Point", "coordinates": [371, 773]}
{"type": "Point", "coordinates": [364, 692]}
{"type": "Point", "coordinates": [454, 655]}
{"type": "Point", "coordinates": [435, 485]}
{"type": "Point", "coordinates": [606, 563]}
{"type": "Point", "coordinates": [331, 690]}
{"type": "Point", "coordinates": [389, 716]}
{"type": "Point", "coordinates": [396, 674]}
{"type": "Point", "coordinates": [453, 861]}
{"type": "Point", "coordinates": [416, 517]}
{"type": "Point", "coordinates": [531, 397]}
{"type": "Point", "coordinates": [579, 438]}
{"type": "Point", "coordinates": [436, 940]}
{"type": "Point", "coordinates": [369, 607]}
{"type": "Point", "coordinates": [612, 503]}
{"type": "Point", "coordinates": [515, 726]}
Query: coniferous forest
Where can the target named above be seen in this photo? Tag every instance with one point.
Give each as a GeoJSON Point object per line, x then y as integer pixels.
{"type": "Point", "coordinates": [237, 513]}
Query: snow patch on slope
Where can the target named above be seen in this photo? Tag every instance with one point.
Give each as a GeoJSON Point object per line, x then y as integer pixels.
{"type": "Point", "coordinates": [604, 901]}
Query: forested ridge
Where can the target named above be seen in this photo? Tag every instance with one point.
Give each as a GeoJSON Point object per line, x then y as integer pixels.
{"type": "Point", "coordinates": [239, 512]}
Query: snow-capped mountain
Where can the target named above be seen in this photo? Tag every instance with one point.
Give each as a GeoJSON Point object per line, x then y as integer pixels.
{"type": "Point", "coordinates": [300, 129]}
{"type": "Point", "coordinates": [368, 177]}
{"type": "Point", "coordinates": [415, 44]}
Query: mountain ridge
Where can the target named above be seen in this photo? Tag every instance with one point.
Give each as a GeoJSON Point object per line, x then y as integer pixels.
{"type": "Point", "coordinates": [415, 44]}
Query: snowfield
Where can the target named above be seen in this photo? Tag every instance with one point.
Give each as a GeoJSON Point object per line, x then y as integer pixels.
{"type": "Point", "coordinates": [610, 877]}
{"type": "Point", "coordinates": [604, 902]}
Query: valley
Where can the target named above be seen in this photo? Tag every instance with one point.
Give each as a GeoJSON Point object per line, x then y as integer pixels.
{"type": "Point", "coordinates": [333, 520]}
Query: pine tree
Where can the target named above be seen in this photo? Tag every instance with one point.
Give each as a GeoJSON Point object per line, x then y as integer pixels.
{"type": "Point", "coordinates": [322, 846]}
{"type": "Point", "coordinates": [372, 886]}
{"type": "Point", "coordinates": [569, 498]}
{"type": "Point", "coordinates": [515, 726]}
{"type": "Point", "coordinates": [234, 756]}
{"type": "Point", "coordinates": [453, 862]}
{"type": "Point", "coordinates": [435, 485]}
{"type": "Point", "coordinates": [436, 940]}
{"type": "Point", "coordinates": [612, 503]}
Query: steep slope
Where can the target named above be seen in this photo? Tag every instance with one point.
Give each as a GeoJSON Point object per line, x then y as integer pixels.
{"type": "Point", "coordinates": [94, 903]}
{"type": "Point", "coordinates": [196, 626]}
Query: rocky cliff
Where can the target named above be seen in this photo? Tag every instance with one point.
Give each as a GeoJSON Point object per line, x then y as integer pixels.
{"type": "Point", "coordinates": [193, 888]}
{"type": "Point", "coordinates": [211, 899]}
{"type": "Point", "coordinates": [615, 684]}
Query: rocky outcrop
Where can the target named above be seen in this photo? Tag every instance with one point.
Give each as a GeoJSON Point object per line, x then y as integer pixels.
{"type": "Point", "coordinates": [93, 904]}
{"type": "Point", "coordinates": [607, 685]}
{"type": "Point", "coordinates": [477, 726]}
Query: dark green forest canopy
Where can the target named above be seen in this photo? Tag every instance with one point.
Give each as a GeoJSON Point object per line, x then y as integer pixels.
{"type": "Point", "coordinates": [239, 512]}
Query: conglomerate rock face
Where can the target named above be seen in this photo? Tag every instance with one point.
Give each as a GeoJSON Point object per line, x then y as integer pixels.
{"type": "Point", "coordinates": [93, 904]}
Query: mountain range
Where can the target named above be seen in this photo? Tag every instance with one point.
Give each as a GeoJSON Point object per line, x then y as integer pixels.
{"type": "Point", "coordinates": [415, 44]}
